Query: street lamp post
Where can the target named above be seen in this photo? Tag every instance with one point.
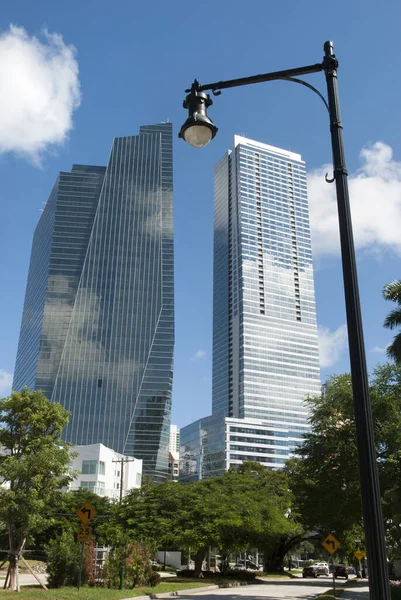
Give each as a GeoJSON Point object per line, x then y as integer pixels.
{"type": "Point", "coordinates": [198, 130]}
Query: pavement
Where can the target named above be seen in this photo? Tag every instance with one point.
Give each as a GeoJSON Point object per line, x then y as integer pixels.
{"type": "Point", "coordinates": [272, 589]}
{"type": "Point", "coordinates": [278, 589]}
{"type": "Point", "coordinates": [358, 591]}
{"type": "Point", "coordinates": [25, 579]}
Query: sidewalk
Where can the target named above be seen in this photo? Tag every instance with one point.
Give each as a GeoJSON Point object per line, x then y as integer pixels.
{"type": "Point", "coordinates": [356, 591]}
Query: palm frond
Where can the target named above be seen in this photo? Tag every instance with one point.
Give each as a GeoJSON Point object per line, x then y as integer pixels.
{"type": "Point", "coordinates": [394, 350]}
{"type": "Point", "coordinates": [392, 291]}
{"type": "Point", "coordinates": [393, 319]}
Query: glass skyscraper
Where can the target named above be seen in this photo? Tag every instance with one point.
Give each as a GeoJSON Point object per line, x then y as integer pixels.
{"type": "Point", "coordinates": [265, 343]}
{"type": "Point", "coordinates": [97, 331]}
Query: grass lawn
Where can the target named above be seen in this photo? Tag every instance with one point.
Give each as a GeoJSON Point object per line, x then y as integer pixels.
{"type": "Point", "coordinates": [87, 593]}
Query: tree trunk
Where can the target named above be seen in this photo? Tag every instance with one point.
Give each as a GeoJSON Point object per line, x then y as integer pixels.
{"type": "Point", "coordinates": [274, 563]}
{"type": "Point", "coordinates": [15, 550]}
{"type": "Point", "coordinates": [13, 557]}
{"type": "Point", "coordinates": [199, 558]}
{"type": "Point", "coordinates": [14, 578]}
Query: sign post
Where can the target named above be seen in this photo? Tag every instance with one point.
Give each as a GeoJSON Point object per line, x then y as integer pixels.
{"type": "Point", "coordinates": [332, 544]}
{"type": "Point", "coordinates": [359, 554]}
{"type": "Point", "coordinates": [86, 513]}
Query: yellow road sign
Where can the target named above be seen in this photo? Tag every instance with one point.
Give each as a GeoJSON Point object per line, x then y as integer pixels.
{"type": "Point", "coordinates": [86, 513]}
{"type": "Point", "coordinates": [84, 533]}
{"type": "Point", "coordinates": [359, 554]}
{"type": "Point", "coordinates": [331, 543]}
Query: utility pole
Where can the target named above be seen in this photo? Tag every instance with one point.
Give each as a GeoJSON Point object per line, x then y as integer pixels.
{"type": "Point", "coordinates": [122, 461]}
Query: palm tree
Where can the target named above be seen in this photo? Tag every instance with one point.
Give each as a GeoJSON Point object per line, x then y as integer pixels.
{"type": "Point", "coordinates": [392, 291]}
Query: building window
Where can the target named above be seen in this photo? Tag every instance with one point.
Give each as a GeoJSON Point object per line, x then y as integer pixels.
{"type": "Point", "coordinates": [88, 485]}
{"type": "Point", "coordinates": [93, 467]}
{"type": "Point", "coordinates": [97, 487]}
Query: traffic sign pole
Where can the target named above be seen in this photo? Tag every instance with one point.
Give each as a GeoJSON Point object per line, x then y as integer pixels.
{"type": "Point", "coordinates": [334, 576]}
{"type": "Point", "coordinates": [81, 564]}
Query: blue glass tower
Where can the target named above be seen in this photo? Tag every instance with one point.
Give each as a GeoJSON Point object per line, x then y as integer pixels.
{"type": "Point", "coordinates": [97, 330]}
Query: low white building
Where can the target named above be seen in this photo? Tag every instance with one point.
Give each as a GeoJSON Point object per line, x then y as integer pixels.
{"type": "Point", "coordinates": [104, 471]}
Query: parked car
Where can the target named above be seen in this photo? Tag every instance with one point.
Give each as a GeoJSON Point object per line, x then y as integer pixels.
{"type": "Point", "coordinates": [344, 571]}
{"type": "Point", "coordinates": [239, 566]}
{"type": "Point", "coordinates": [315, 570]}
{"type": "Point", "coordinates": [310, 571]}
{"type": "Point", "coordinates": [322, 569]}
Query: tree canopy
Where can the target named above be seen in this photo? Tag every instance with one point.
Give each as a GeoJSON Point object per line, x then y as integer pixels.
{"type": "Point", "coordinates": [248, 507]}
{"type": "Point", "coordinates": [34, 464]}
{"type": "Point", "coordinates": [392, 292]}
{"type": "Point", "coordinates": [324, 477]}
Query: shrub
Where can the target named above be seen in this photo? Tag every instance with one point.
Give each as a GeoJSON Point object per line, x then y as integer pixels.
{"type": "Point", "coordinates": [242, 575]}
{"type": "Point", "coordinates": [153, 578]}
{"type": "Point", "coordinates": [187, 573]}
{"type": "Point", "coordinates": [137, 568]}
{"type": "Point", "coordinates": [63, 561]}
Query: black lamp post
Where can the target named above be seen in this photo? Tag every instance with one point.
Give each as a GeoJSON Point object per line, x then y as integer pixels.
{"type": "Point", "coordinates": [198, 130]}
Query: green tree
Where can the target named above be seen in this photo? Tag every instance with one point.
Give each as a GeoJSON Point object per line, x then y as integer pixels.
{"type": "Point", "coordinates": [34, 463]}
{"type": "Point", "coordinates": [248, 507]}
{"type": "Point", "coordinates": [325, 476]}
{"type": "Point", "coordinates": [392, 292]}
{"type": "Point", "coordinates": [61, 517]}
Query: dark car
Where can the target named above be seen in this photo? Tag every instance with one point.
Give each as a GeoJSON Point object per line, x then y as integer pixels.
{"type": "Point", "coordinates": [310, 571]}
{"type": "Point", "coordinates": [344, 571]}
{"type": "Point", "coordinates": [314, 571]}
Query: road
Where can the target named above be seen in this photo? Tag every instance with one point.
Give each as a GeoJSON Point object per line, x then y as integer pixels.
{"type": "Point", "coordinates": [284, 589]}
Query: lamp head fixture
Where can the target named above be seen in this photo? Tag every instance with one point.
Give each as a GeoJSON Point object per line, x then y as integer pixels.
{"type": "Point", "coordinates": [198, 129]}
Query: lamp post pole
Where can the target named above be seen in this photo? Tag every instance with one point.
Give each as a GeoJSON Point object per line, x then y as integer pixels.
{"type": "Point", "coordinates": [198, 130]}
{"type": "Point", "coordinates": [370, 487]}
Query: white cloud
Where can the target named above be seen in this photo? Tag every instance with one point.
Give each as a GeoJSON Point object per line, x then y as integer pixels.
{"type": "Point", "coordinates": [331, 344]}
{"type": "Point", "coordinates": [199, 355]}
{"type": "Point", "coordinates": [375, 197]}
{"type": "Point", "coordinates": [6, 380]}
{"type": "Point", "coordinates": [39, 92]}
{"type": "Point", "coordinates": [379, 349]}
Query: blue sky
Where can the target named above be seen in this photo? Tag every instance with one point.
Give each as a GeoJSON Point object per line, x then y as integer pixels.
{"type": "Point", "coordinates": [135, 60]}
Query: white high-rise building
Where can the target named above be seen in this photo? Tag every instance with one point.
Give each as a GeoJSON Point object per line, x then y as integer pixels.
{"type": "Point", "coordinates": [265, 344]}
{"type": "Point", "coordinates": [174, 444]}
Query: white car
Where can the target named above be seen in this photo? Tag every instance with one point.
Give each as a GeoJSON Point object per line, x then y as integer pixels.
{"type": "Point", "coordinates": [239, 567]}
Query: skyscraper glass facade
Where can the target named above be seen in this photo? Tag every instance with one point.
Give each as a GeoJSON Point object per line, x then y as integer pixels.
{"type": "Point", "coordinates": [97, 331]}
{"type": "Point", "coordinates": [265, 345]}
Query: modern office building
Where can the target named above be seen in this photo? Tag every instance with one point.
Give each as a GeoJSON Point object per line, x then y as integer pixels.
{"type": "Point", "coordinates": [97, 330]}
{"type": "Point", "coordinates": [265, 344]}
{"type": "Point", "coordinates": [214, 444]}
